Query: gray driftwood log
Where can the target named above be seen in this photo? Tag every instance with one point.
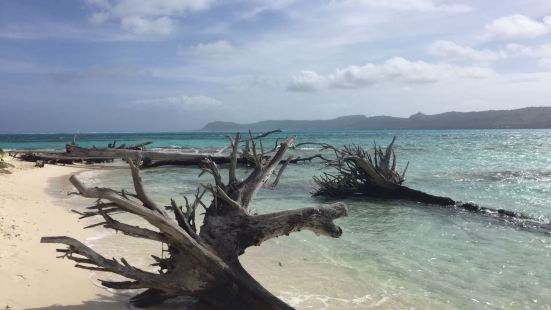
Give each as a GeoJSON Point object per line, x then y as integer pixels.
{"type": "Point", "coordinates": [147, 158]}
{"type": "Point", "coordinates": [202, 263]}
{"type": "Point", "coordinates": [51, 157]}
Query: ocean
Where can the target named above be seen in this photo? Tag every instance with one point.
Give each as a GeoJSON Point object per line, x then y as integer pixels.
{"type": "Point", "coordinates": [392, 254]}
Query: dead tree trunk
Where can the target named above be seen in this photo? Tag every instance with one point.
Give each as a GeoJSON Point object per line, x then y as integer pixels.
{"type": "Point", "coordinates": [150, 158]}
{"type": "Point", "coordinates": [56, 157]}
{"type": "Point", "coordinates": [203, 263]}
{"type": "Point", "coordinates": [359, 173]}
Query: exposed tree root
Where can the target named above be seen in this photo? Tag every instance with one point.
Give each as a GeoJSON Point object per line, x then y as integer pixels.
{"type": "Point", "coordinates": [202, 263]}
{"type": "Point", "coordinates": [360, 173]}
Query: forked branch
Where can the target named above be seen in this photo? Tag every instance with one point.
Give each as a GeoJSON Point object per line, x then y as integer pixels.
{"type": "Point", "coordinates": [94, 260]}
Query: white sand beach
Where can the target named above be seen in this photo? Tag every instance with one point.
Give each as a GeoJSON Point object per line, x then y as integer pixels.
{"type": "Point", "coordinates": [31, 277]}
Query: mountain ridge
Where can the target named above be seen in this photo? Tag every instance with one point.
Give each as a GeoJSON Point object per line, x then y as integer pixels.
{"type": "Point", "coordinates": [524, 118]}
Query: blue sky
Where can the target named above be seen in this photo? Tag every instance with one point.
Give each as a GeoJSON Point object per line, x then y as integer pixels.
{"type": "Point", "coordinates": [169, 65]}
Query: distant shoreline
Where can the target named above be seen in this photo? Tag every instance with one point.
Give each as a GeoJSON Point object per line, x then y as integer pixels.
{"type": "Point", "coordinates": [525, 118]}
{"type": "Point", "coordinates": [200, 131]}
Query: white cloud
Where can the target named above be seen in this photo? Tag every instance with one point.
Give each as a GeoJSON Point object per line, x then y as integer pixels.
{"type": "Point", "coordinates": [151, 17]}
{"type": "Point", "coordinates": [543, 52]}
{"type": "Point", "coordinates": [402, 70]}
{"type": "Point", "coordinates": [454, 51]}
{"type": "Point", "coordinates": [186, 103]}
{"type": "Point", "coordinates": [150, 8]}
{"type": "Point", "coordinates": [210, 49]}
{"type": "Point", "coordinates": [266, 5]}
{"type": "Point", "coordinates": [148, 26]}
{"type": "Point", "coordinates": [179, 103]}
{"type": "Point", "coordinates": [417, 5]}
{"type": "Point", "coordinates": [395, 69]}
{"type": "Point", "coordinates": [306, 81]}
{"type": "Point", "coordinates": [518, 27]}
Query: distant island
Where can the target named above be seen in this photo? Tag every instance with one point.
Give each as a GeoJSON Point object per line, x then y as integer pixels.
{"type": "Point", "coordinates": [529, 118]}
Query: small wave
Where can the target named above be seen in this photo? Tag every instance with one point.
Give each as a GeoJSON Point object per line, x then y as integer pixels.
{"type": "Point", "coordinates": [509, 175]}
{"type": "Point", "coordinates": [178, 149]}
{"type": "Point", "coordinates": [308, 148]}
{"type": "Point", "coordinates": [328, 302]}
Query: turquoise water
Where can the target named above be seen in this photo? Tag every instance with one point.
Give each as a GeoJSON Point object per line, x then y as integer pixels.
{"type": "Point", "coordinates": [392, 255]}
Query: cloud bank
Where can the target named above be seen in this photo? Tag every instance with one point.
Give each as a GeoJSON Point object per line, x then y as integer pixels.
{"type": "Point", "coordinates": [150, 17]}
{"type": "Point", "coordinates": [396, 69]}
{"type": "Point", "coordinates": [453, 51]}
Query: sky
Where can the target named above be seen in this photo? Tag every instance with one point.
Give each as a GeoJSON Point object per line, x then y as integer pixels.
{"type": "Point", "coordinates": [172, 65]}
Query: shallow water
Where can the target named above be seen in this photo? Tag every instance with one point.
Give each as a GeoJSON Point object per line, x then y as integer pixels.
{"type": "Point", "coordinates": [392, 255]}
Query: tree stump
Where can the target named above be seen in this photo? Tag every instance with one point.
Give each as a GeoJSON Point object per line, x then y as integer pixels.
{"type": "Point", "coordinates": [202, 263]}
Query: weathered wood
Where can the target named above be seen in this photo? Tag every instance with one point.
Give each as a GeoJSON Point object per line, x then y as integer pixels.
{"type": "Point", "coordinates": [308, 159]}
{"type": "Point", "coordinates": [359, 173]}
{"type": "Point", "coordinates": [156, 158]}
{"type": "Point", "coordinates": [203, 265]}
{"type": "Point", "coordinates": [132, 154]}
{"type": "Point", "coordinates": [57, 157]}
{"type": "Point", "coordinates": [137, 146]}
{"type": "Point", "coordinates": [149, 158]}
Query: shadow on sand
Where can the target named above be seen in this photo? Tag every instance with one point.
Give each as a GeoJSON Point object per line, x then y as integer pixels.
{"type": "Point", "coordinates": [120, 301]}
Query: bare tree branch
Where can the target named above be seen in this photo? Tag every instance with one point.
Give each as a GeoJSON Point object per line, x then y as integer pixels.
{"type": "Point", "coordinates": [140, 191]}
{"type": "Point", "coordinates": [165, 224]}
{"type": "Point", "coordinates": [233, 160]}
{"type": "Point", "coordinates": [318, 220]}
{"type": "Point", "coordinates": [76, 247]}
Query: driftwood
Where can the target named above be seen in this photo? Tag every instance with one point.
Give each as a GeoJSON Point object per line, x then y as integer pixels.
{"type": "Point", "coordinates": [77, 154]}
{"type": "Point", "coordinates": [150, 159]}
{"type": "Point", "coordinates": [146, 158]}
{"type": "Point", "coordinates": [50, 157]}
{"type": "Point", "coordinates": [359, 173]}
{"type": "Point", "coordinates": [139, 146]}
{"type": "Point", "coordinates": [155, 158]}
{"type": "Point", "coordinates": [158, 158]}
{"type": "Point", "coordinates": [308, 159]}
{"type": "Point", "coordinates": [41, 157]}
{"type": "Point", "coordinates": [202, 263]}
